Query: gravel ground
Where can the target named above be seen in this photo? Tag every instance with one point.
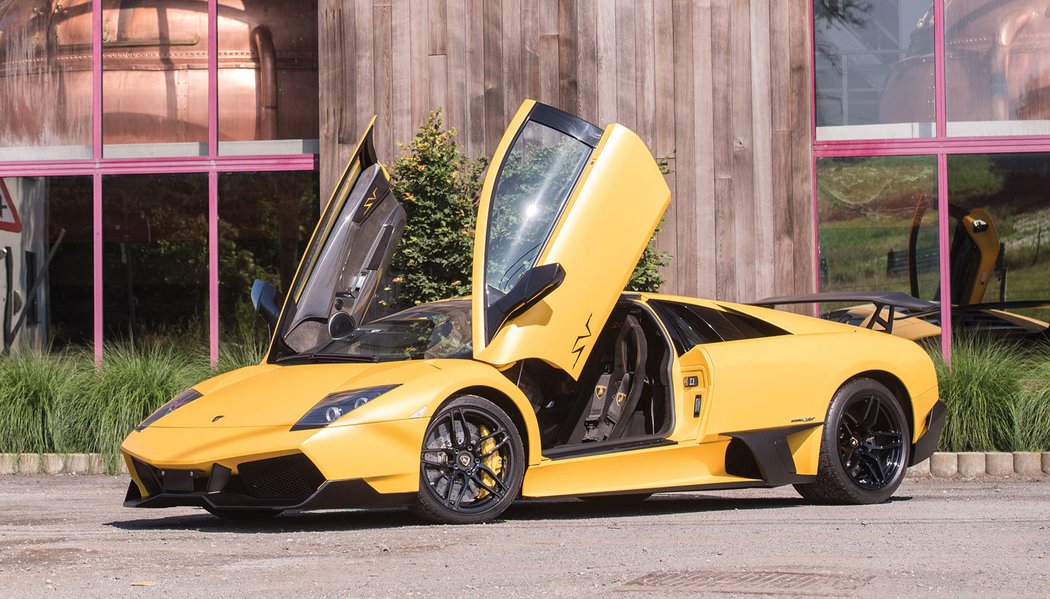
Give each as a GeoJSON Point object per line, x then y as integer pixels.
{"type": "Point", "coordinates": [66, 536]}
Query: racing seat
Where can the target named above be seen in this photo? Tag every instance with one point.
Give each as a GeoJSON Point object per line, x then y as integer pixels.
{"type": "Point", "coordinates": [619, 388]}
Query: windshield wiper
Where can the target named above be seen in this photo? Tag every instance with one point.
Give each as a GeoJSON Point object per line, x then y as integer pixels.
{"type": "Point", "coordinates": [323, 357]}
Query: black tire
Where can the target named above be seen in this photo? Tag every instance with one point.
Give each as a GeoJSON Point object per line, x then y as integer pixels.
{"type": "Point", "coordinates": [865, 447]}
{"type": "Point", "coordinates": [471, 464]}
{"type": "Point", "coordinates": [629, 500]}
{"type": "Point", "coordinates": [242, 515]}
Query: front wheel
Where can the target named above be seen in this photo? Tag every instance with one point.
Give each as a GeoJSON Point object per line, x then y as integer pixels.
{"type": "Point", "coordinates": [865, 447]}
{"type": "Point", "coordinates": [471, 464]}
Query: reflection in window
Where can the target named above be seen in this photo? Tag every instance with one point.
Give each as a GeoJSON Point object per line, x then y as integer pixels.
{"type": "Point", "coordinates": [54, 216]}
{"type": "Point", "coordinates": [155, 258]}
{"type": "Point", "coordinates": [265, 222]}
{"type": "Point", "coordinates": [155, 78]}
{"type": "Point", "coordinates": [866, 54]}
{"type": "Point", "coordinates": [267, 77]}
{"type": "Point", "coordinates": [534, 182]}
{"type": "Point", "coordinates": [1000, 228]}
{"type": "Point", "coordinates": [878, 225]}
{"type": "Point", "coordinates": [45, 80]}
{"type": "Point", "coordinates": [998, 67]}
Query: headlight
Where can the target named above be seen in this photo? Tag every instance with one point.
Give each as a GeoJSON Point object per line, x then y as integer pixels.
{"type": "Point", "coordinates": [336, 405]}
{"type": "Point", "coordinates": [180, 400]}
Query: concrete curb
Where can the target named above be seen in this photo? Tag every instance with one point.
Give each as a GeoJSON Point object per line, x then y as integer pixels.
{"type": "Point", "coordinates": [54, 463]}
{"type": "Point", "coordinates": [1027, 464]}
{"type": "Point", "coordinates": [978, 464]}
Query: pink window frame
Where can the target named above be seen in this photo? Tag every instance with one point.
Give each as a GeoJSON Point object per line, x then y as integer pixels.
{"type": "Point", "coordinates": [97, 167]}
{"type": "Point", "coordinates": [941, 146]}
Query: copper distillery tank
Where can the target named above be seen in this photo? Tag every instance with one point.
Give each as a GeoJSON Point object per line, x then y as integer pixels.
{"type": "Point", "coordinates": [997, 64]}
{"type": "Point", "coordinates": [155, 61]}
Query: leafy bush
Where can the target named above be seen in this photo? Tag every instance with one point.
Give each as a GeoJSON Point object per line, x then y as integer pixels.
{"type": "Point", "coordinates": [437, 185]}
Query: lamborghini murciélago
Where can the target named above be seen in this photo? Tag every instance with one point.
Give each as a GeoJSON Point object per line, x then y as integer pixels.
{"type": "Point", "coordinates": [549, 381]}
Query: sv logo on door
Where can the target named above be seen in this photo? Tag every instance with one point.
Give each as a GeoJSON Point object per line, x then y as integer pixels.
{"type": "Point", "coordinates": [580, 344]}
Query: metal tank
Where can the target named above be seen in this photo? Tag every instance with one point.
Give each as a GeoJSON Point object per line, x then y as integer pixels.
{"type": "Point", "coordinates": [155, 82]}
{"type": "Point", "coordinates": [997, 64]}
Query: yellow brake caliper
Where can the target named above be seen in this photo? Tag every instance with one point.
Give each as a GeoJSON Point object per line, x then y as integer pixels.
{"type": "Point", "coordinates": [494, 462]}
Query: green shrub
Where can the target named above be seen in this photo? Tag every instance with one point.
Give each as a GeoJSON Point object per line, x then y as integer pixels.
{"type": "Point", "coordinates": [437, 185]}
{"type": "Point", "coordinates": [29, 386]}
{"type": "Point", "coordinates": [1032, 411]}
{"type": "Point", "coordinates": [998, 396]}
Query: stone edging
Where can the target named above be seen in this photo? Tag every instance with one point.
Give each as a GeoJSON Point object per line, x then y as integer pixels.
{"type": "Point", "coordinates": [54, 463]}
{"type": "Point", "coordinates": [979, 464]}
{"type": "Point", "coordinates": [941, 465]}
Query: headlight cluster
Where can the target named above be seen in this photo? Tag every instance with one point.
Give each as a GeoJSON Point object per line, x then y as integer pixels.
{"type": "Point", "coordinates": [336, 405]}
{"type": "Point", "coordinates": [180, 400]}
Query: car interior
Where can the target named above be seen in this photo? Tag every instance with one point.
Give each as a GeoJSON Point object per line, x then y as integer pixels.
{"type": "Point", "coordinates": [624, 392]}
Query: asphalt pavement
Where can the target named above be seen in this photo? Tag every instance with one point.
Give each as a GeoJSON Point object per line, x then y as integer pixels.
{"type": "Point", "coordinates": [68, 536]}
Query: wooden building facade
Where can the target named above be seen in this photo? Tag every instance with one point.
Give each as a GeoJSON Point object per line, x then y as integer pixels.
{"type": "Point", "coordinates": [724, 85]}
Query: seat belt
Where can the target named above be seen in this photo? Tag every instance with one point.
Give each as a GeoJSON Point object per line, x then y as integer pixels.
{"type": "Point", "coordinates": [598, 396]}
{"type": "Point", "coordinates": [612, 389]}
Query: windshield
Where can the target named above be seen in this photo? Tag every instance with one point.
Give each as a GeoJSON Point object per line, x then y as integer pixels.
{"type": "Point", "coordinates": [439, 330]}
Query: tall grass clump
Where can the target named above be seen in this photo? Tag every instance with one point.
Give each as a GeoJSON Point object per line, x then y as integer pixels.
{"type": "Point", "coordinates": [131, 383]}
{"type": "Point", "coordinates": [29, 386]}
{"type": "Point", "coordinates": [1032, 410]}
{"type": "Point", "coordinates": [981, 390]}
{"type": "Point", "coordinates": [998, 395]}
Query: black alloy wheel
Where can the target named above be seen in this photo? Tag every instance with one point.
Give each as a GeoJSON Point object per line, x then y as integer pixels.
{"type": "Point", "coordinates": [471, 464]}
{"type": "Point", "coordinates": [864, 449]}
{"type": "Point", "coordinates": [870, 442]}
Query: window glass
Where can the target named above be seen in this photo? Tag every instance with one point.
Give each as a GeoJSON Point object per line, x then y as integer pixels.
{"type": "Point", "coordinates": [265, 222]}
{"type": "Point", "coordinates": [687, 329]}
{"type": "Point", "coordinates": [45, 80]}
{"type": "Point", "coordinates": [1000, 227]}
{"type": "Point", "coordinates": [268, 90]}
{"type": "Point", "coordinates": [997, 67]}
{"type": "Point", "coordinates": [874, 69]}
{"type": "Point", "coordinates": [878, 225]}
{"type": "Point", "coordinates": [155, 258]}
{"type": "Point", "coordinates": [154, 78]}
{"type": "Point", "coordinates": [534, 181]}
{"type": "Point", "coordinates": [40, 217]}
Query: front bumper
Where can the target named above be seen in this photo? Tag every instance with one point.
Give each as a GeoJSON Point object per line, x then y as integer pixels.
{"type": "Point", "coordinates": [282, 483]}
{"type": "Point", "coordinates": [927, 443]}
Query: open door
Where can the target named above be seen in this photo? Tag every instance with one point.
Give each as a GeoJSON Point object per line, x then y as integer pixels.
{"type": "Point", "coordinates": [347, 257]}
{"type": "Point", "coordinates": [566, 211]}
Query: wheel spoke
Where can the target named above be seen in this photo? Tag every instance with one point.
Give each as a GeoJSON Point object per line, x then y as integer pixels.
{"type": "Point", "coordinates": [462, 492]}
{"type": "Point", "coordinates": [867, 411]}
{"type": "Point", "coordinates": [496, 448]}
{"type": "Point", "coordinates": [874, 467]}
{"type": "Point", "coordinates": [484, 468]}
{"type": "Point", "coordinates": [481, 483]}
{"type": "Point", "coordinates": [499, 431]}
{"type": "Point", "coordinates": [466, 427]}
{"type": "Point", "coordinates": [449, 480]}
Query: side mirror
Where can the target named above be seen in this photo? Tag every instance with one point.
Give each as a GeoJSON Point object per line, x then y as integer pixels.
{"type": "Point", "coordinates": [533, 286]}
{"type": "Point", "coordinates": [264, 298]}
{"type": "Point", "coordinates": [340, 325]}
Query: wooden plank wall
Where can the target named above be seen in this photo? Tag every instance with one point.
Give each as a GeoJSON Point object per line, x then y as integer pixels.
{"type": "Point", "coordinates": [724, 84]}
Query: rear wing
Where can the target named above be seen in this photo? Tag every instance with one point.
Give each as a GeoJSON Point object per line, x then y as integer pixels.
{"type": "Point", "coordinates": [889, 301]}
{"type": "Point", "coordinates": [884, 301]}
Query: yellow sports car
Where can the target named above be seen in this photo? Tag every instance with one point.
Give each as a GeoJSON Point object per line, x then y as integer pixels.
{"type": "Point", "coordinates": [548, 382]}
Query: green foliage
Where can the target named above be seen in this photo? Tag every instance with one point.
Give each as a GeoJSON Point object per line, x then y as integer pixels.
{"type": "Point", "coordinates": [998, 396]}
{"type": "Point", "coordinates": [62, 403]}
{"type": "Point", "coordinates": [646, 276]}
{"type": "Point", "coordinates": [437, 186]}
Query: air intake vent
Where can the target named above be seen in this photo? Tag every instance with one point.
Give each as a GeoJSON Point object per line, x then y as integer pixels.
{"type": "Point", "coordinates": [292, 477]}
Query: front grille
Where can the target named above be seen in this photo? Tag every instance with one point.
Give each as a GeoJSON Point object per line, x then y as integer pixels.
{"type": "Point", "coordinates": [291, 477]}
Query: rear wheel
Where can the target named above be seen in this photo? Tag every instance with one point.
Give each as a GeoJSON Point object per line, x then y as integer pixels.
{"type": "Point", "coordinates": [865, 446]}
{"type": "Point", "coordinates": [472, 463]}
